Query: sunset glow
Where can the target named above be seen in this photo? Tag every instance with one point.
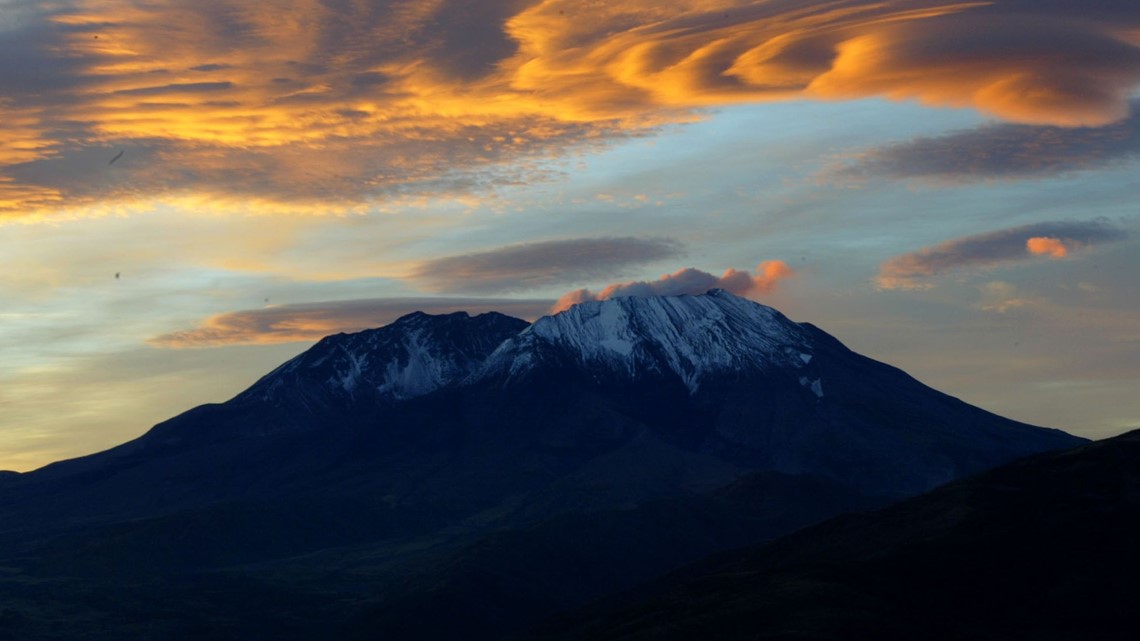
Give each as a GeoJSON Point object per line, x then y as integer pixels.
{"type": "Point", "coordinates": [186, 185]}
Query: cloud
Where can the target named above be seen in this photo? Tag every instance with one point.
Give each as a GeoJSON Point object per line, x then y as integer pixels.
{"type": "Point", "coordinates": [1002, 297]}
{"type": "Point", "coordinates": [1052, 247]}
{"type": "Point", "coordinates": [177, 88]}
{"type": "Point", "coordinates": [910, 271]}
{"type": "Point", "coordinates": [313, 321]}
{"type": "Point", "coordinates": [1020, 60]}
{"type": "Point", "coordinates": [327, 105]}
{"type": "Point", "coordinates": [1001, 151]}
{"type": "Point", "coordinates": [687, 281]}
{"type": "Point", "coordinates": [306, 106]}
{"type": "Point", "coordinates": [529, 266]}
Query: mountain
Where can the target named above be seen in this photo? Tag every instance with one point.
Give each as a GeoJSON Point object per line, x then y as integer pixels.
{"type": "Point", "coordinates": [723, 375]}
{"type": "Point", "coordinates": [413, 356]}
{"type": "Point", "coordinates": [1044, 548]}
{"type": "Point", "coordinates": [471, 461]}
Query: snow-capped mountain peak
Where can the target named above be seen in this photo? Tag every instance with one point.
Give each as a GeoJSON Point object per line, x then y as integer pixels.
{"type": "Point", "coordinates": [690, 336]}
{"type": "Point", "coordinates": [415, 355]}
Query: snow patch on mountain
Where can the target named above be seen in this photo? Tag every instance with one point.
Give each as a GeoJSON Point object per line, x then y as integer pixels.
{"type": "Point", "coordinates": [816, 386]}
{"type": "Point", "coordinates": [348, 370]}
{"type": "Point", "coordinates": [423, 370]}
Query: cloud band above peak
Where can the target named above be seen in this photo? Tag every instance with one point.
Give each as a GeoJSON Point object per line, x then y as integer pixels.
{"type": "Point", "coordinates": [687, 281]}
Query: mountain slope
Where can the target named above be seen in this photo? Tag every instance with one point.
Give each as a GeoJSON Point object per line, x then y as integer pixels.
{"type": "Point", "coordinates": [1044, 548]}
{"type": "Point", "coordinates": [288, 433]}
{"type": "Point", "coordinates": [735, 379]}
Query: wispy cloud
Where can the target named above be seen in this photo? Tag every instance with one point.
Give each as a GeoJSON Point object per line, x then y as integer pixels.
{"type": "Point", "coordinates": [529, 266]}
{"type": "Point", "coordinates": [1002, 297]}
{"type": "Point", "coordinates": [313, 321]}
{"type": "Point", "coordinates": [1056, 239]}
{"type": "Point", "coordinates": [1001, 151]}
{"type": "Point", "coordinates": [688, 281]}
{"type": "Point", "coordinates": [327, 104]}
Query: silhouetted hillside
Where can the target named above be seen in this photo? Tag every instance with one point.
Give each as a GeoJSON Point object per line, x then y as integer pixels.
{"type": "Point", "coordinates": [1041, 549]}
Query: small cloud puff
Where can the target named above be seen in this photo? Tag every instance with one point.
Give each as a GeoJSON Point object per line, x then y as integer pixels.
{"type": "Point", "coordinates": [1052, 247]}
{"type": "Point", "coordinates": [687, 281]}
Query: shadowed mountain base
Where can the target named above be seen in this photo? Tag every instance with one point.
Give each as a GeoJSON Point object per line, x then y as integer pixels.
{"type": "Point", "coordinates": [1040, 550]}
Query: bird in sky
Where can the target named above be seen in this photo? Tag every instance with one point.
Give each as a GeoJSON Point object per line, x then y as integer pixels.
{"type": "Point", "coordinates": [117, 156]}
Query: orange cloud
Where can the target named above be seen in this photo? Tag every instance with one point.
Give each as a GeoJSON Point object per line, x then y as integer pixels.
{"type": "Point", "coordinates": [687, 281]}
{"type": "Point", "coordinates": [967, 59]}
{"type": "Point", "coordinates": [1018, 60]}
{"type": "Point", "coordinates": [1053, 247]}
{"type": "Point", "coordinates": [327, 104]}
{"type": "Point", "coordinates": [768, 274]}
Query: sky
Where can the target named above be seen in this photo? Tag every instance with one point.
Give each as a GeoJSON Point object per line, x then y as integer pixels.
{"type": "Point", "coordinates": [193, 192]}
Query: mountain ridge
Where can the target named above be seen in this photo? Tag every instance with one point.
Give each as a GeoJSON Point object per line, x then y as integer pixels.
{"type": "Point", "coordinates": [412, 362]}
{"type": "Point", "coordinates": [1041, 548]}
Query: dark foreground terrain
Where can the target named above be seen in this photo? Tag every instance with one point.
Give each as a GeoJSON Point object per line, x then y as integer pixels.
{"type": "Point", "coordinates": [1044, 549]}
